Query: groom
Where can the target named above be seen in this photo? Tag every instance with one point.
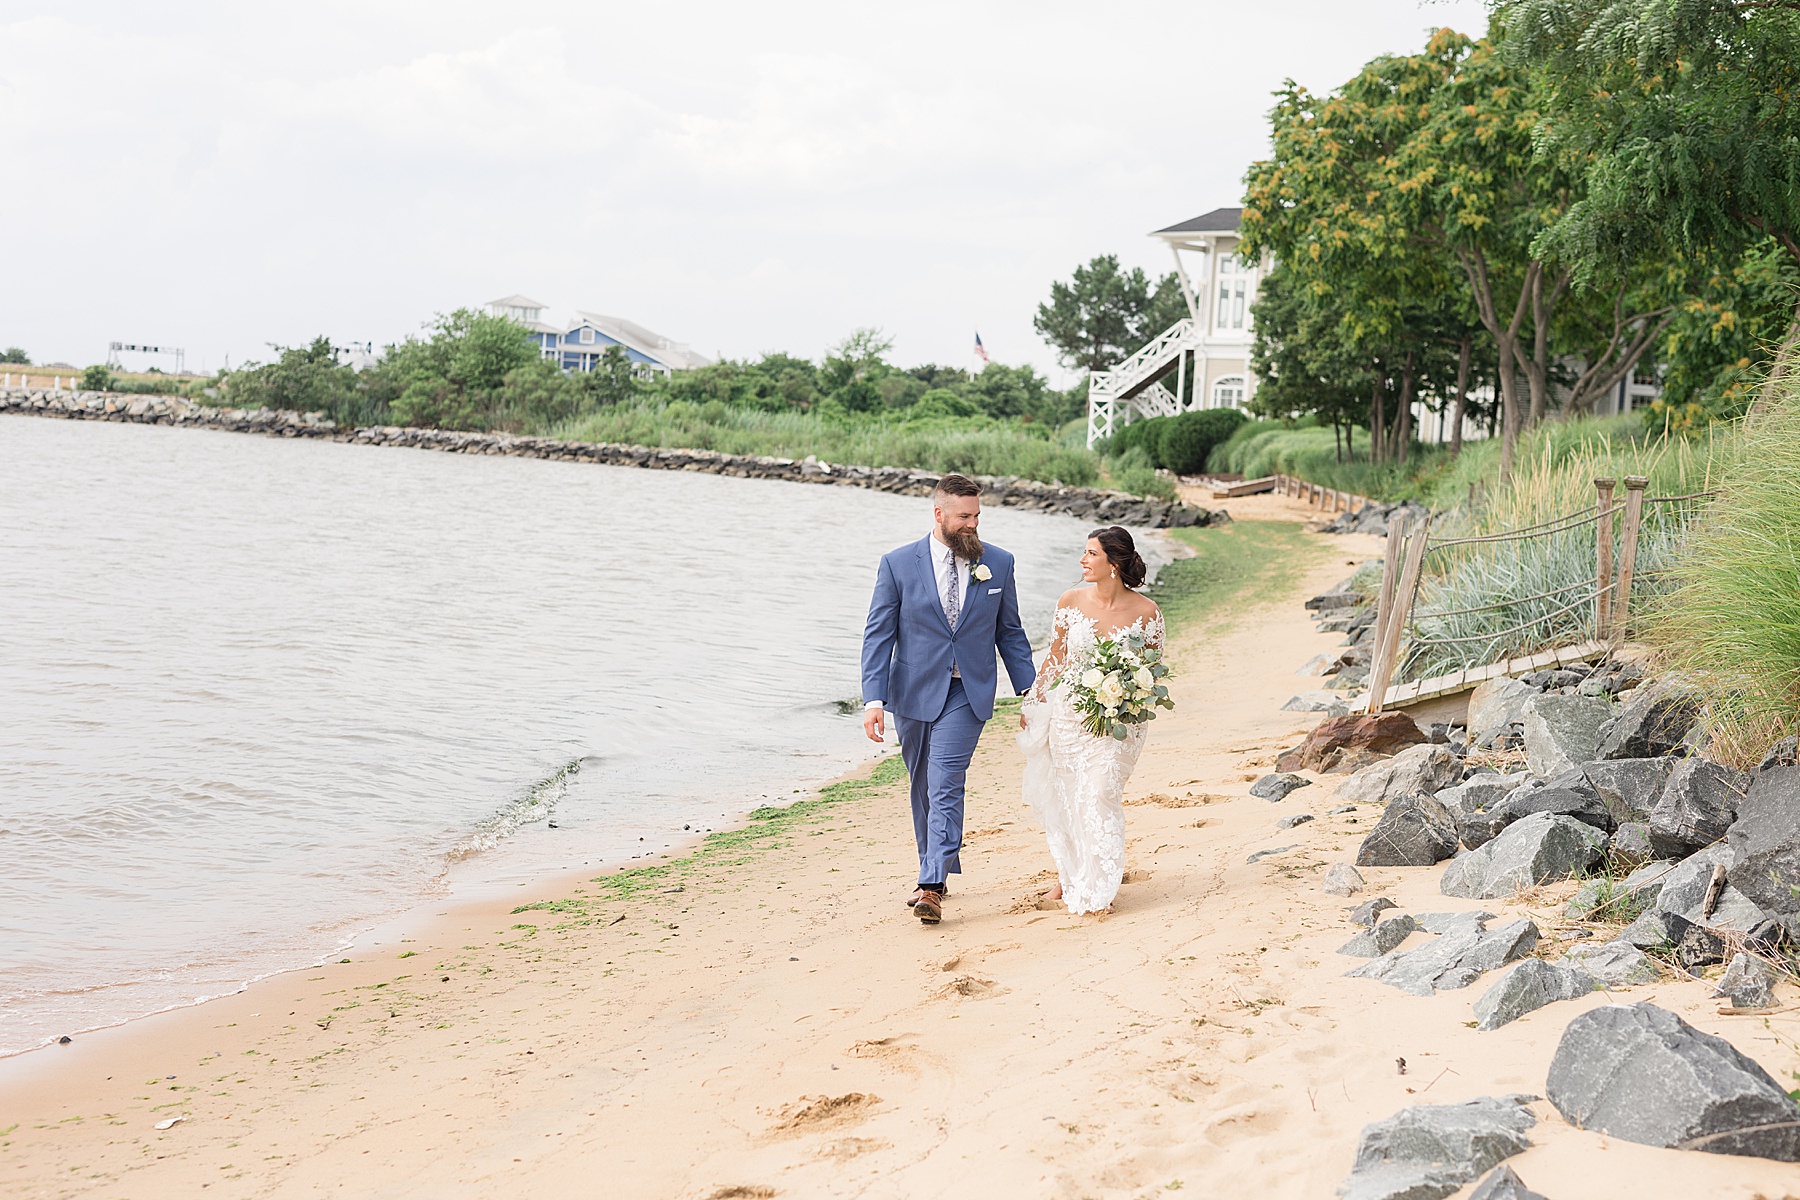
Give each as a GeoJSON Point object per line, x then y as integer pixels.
{"type": "Point", "coordinates": [941, 607]}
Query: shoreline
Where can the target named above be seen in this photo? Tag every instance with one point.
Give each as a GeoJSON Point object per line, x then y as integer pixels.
{"type": "Point", "coordinates": [1085, 503]}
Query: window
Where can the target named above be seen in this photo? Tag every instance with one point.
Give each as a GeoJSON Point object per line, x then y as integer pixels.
{"type": "Point", "coordinates": [587, 336]}
{"type": "Point", "coordinates": [1234, 286]}
{"type": "Point", "coordinates": [1228, 392]}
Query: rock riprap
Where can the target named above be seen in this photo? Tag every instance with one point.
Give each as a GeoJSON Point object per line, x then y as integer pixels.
{"type": "Point", "coordinates": [1278, 786]}
{"type": "Point", "coordinates": [1414, 831]}
{"type": "Point", "coordinates": [1641, 1073]}
{"type": "Point", "coordinates": [1527, 987]}
{"type": "Point", "coordinates": [1451, 960]}
{"type": "Point", "coordinates": [1534, 850]}
{"type": "Point", "coordinates": [1562, 732]}
{"type": "Point", "coordinates": [1653, 722]}
{"type": "Point", "coordinates": [1495, 706]}
{"type": "Point", "coordinates": [1342, 879]}
{"type": "Point", "coordinates": [1380, 939]}
{"type": "Point", "coordinates": [1425, 768]}
{"type": "Point", "coordinates": [1615, 964]}
{"type": "Point", "coordinates": [1503, 1183]}
{"type": "Point", "coordinates": [1332, 738]}
{"type": "Point", "coordinates": [1430, 1150]}
{"type": "Point", "coordinates": [1581, 803]}
{"type": "Point", "coordinates": [1765, 840]}
{"type": "Point", "coordinates": [1085, 503]}
{"type": "Point", "coordinates": [1629, 787]}
{"type": "Point", "coordinates": [1697, 807]}
{"type": "Point", "coordinates": [1748, 982]}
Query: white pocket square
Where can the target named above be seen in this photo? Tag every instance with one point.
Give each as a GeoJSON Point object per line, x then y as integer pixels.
{"type": "Point", "coordinates": [993, 591]}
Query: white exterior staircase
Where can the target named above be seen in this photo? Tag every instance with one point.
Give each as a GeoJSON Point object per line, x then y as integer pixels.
{"type": "Point", "coordinates": [1129, 391]}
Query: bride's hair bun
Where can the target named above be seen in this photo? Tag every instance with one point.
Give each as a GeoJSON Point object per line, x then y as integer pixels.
{"type": "Point", "coordinates": [1122, 553]}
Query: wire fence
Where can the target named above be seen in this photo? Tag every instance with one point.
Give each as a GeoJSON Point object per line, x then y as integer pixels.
{"type": "Point", "coordinates": [1461, 604]}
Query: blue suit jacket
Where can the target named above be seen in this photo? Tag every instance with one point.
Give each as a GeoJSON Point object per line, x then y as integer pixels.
{"type": "Point", "coordinates": [908, 648]}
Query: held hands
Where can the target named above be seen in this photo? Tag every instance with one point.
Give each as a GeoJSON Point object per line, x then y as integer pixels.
{"type": "Point", "coordinates": [874, 724]}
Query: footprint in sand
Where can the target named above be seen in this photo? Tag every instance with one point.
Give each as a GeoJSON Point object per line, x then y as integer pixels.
{"type": "Point", "coordinates": [811, 1113]}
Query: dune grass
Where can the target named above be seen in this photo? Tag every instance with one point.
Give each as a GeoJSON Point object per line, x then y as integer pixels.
{"type": "Point", "coordinates": [1730, 613]}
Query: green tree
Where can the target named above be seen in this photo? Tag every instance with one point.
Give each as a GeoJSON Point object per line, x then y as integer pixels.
{"type": "Point", "coordinates": [13, 354]}
{"type": "Point", "coordinates": [1003, 391]}
{"type": "Point", "coordinates": [1104, 314]}
{"type": "Point", "coordinates": [853, 368]}
{"type": "Point", "coordinates": [97, 379]}
{"type": "Point", "coordinates": [1683, 117]}
{"type": "Point", "coordinates": [305, 378]}
{"type": "Point", "coordinates": [453, 377]}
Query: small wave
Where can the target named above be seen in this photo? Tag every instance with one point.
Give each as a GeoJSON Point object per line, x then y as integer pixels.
{"type": "Point", "coordinates": [536, 803]}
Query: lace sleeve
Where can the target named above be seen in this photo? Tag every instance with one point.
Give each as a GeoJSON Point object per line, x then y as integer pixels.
{"type": "Point", "coordinates": [1153, 632]}
{"type": "Point", "coordinates": [1054, 659]}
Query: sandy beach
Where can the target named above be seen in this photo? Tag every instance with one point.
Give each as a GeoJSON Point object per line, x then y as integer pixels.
{"type": "Point", "coordinates": [767, 1020]}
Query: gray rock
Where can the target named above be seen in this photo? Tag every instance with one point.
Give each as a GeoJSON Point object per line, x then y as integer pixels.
{"type": "Point", "coordinates": [1369, 911]}
{"type": "Point", "coordinates": [1479, 792]}
{"type": "Point", "coordinates": [1317, 700]}
{"type": "Point", "coordinates": [1629, 786]}
{"type": "Point", "coordinates": [1340, 809]}
{"type": "Point", "coordinates": [1615, 964]}
{"type": "Point", "coordinates": [1422, 768]}
{"type": "Point", "coordinates": [1583, 805]}
{"type": "Point", "coordinates": [1645, 884]}
{"type": "Point", "coordinates": [1765, 840]}
{"type": "Point", "coordinates": [1381, 939]}
{"type": "Point", "coordinates": [1262, 854]}
{"type": "Point", "coordinates": [1696, 808]}
{"type": "Point", "coordinates": [1528, 852]}
{"type": "Point", "coordinates": [1278, 786]}
{"type": "Point", "coordinates": [1526, 988]}
{"type": "Point", "coordinates": [1342, 879]}
{"type": "Point", "coordinates": [1588, 899]}
{"type": "Point", "coordinates": [1493, 707]}
{"type": "Point", "coordinates": [1503, 1183]}
{"type": "Point", "coordinates": [1785, 753]}
{"type": "Point", "coordinates": [1453, 922]}
{"type": "Point", "coordinates": [1699, 948]}
{"type": "Point", "coordinates": [1414, 831]}
{"type": "Point", "coordinates": [1630, 844]}
{"type": "Point", "coordinates": [1450, 960]}
{"type": "Point", "coordinates": [1656, 929]}
{"type": "Point", "coordinates": [1641, 1073]}
{"type": "Point", "coordinates": [1653, 722]}
{"type": "Point", "coordinates": [1562, 732]}
{"type": "Point", "coordinates": [1429, 1151]}
{"type": "Point", "coordinates": [1296, 819]}
{"type": "Point", "coordinates": [1748, 982]}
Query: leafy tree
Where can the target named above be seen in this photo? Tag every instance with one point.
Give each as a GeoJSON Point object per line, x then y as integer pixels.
{"type": "Point", "coordinates": [12, 354]}
{"type": "Point", "coordinates": [853, 367]}
{"type": "Point", "coordinates": [97, 378]}
{"type": "Point", "coordinates": [1717, 349]}
{"type": "Point", "coordinates": [1104, 314]}
{"type": "Point", "coordinates": [1003, 391]}
{"type": "Point", "coordinates": [453, 377]}
{"type": "Point", "coordinates": [1682, 115]}
{"type": "Point", "coordinates": [613, 379]}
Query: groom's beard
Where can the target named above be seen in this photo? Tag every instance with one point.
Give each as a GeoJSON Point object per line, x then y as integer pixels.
{"type": "Point", "coordinates": [966, 543]}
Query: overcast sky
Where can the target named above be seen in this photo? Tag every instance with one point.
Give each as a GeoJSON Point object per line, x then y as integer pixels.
{"type": "Point", "coordinates": [743, 177]}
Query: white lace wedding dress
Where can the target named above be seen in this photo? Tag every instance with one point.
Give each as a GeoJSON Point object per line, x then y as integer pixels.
{"type": "Point", "coordinates": [1074, 781]}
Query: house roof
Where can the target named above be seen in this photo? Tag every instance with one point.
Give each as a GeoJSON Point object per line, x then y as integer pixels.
{"type": "Point", "coordinates": [516, 301]}
{"type": "Point", "coordinates": [646, 342]}
{"type": "Point", "coordinates": [1219, 220]}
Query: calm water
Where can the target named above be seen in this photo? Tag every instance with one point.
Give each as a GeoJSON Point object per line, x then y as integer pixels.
{"type": "Point", "coordinates": [257, 695]}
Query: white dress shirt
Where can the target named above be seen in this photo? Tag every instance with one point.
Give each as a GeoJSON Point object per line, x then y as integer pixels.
{"type": "Point", "coordinates": [944, 561]}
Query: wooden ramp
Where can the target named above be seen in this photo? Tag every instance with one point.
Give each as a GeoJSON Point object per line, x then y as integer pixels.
{"type": "Point", "coordinates": [1406, 695]}
{"type": "Point", "coordinates": [1250, 487]}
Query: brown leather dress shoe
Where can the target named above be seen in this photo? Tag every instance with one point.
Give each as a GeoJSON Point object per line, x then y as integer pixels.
{"type": "Point", "coordinates": [929, 907]}
{"type": "Point", "coordinates": [917, 892]}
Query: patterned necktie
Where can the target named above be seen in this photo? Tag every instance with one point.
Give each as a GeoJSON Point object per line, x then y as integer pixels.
{"type": "Point", "coordinates": [953, 601]}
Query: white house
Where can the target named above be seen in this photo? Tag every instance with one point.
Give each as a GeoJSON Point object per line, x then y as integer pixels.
{"type": "Point", "coordinates": [1209, 348]}
{"type": "Point", "coordinates": [580, 344]}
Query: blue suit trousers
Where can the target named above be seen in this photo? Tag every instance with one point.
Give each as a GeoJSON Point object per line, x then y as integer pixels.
{"type": "Point", "coordinates": [937, 754]}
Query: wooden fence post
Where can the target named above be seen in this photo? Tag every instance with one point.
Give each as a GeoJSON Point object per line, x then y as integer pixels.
{"type": "Point", "coordinates": [1603, 561]}
{"type": "Point", "coordinates": [1387, 653]}
{"type": "Point", "coordinates": [1390, 579]}
{"type": "Point", "coordinates": [1628, 548]}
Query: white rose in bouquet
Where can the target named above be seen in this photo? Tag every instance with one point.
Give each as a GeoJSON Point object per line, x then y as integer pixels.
{"type": "Point", "coordinates": [1111, 691]}
{"type": "Point", "coordinates": [1090, 678]}
{"type": "Point", "coordinates": [1143, 678]}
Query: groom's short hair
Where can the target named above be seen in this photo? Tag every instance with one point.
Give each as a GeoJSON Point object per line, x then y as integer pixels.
{"type": "Point", "coordinates": [956, 485]}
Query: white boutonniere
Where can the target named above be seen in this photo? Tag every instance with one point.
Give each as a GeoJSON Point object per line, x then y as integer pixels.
{"type": "Point", "coordinates": [979, 573]}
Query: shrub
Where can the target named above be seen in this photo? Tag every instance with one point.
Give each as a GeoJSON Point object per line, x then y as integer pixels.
{"type": "Point", "coordinates": [1184, 442]}
{"type": "Point", "coordinates": [97, 379]}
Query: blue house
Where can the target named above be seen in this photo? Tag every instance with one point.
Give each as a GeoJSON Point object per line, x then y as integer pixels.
{"type": "Point", "coordinates": [580, 345]}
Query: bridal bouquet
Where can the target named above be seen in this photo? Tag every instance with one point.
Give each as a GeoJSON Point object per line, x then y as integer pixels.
{"type": "Point", "coordinates": [1119, 685]}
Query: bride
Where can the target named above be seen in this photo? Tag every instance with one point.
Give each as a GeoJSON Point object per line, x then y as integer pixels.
{"type": "Point", "coordinates": [1074, 780]}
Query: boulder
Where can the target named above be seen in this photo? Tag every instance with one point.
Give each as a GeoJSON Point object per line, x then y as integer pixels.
{"type": "Point", "coordinates": [1450, 960]}
{"type": "Point", "coordinates": [1380, 733]}
{"type": "Point", "coordinates": [1582, 805]}
{"type": "Point", "coordinates": [1615, 964]}
{"type": "Point", "coordinates": [1527, 987]}
{"type": "Point", "coordinates": [1278, 787]}
{"type": "Point", "coordinates": [1503, 1183]}
{"type": "Point", "coordinates": [1653, 722]}
{"type": "Point", "coordinates": [1645, 884]}
{"type": "Point", "coordinates": [1494, 706]}
{"type": "Point", "coordinates": [1748, 982]}
{"type": "Point", "coordinates": [1291, 821]}
{"type": "Point", "coordinates": [1641, 1073]}
{"type": "Point", "coordinates": [1629, 786]}
{"type": "Point", "coordinates": [1453, 922]}
{"type": "Point", "coordinates": [1424, 768]}
{"type": "Point", "coordinates": [1528, 852]}
{"type": "Point", "coordinates": [1656, 929]}
{"type": "Point", "coordinates": [1479, 792]}
{"type": "Point", "coordinates": [1342, 879]}
{"type": "Point", "coordinates": [1785, 753]}
{"type": "Point", "coordinates": [1369, 911]}
{"type": "Point", "coordinates": [1562, 732]}
{"type": "Point", "coordinates": [1698, 949]}
{"type": "Point", "coordinates": [1630, 845]}
{"type": "Point", "coordinates": [1429, 1151]}
{"type": "Point", "coordinates": [1696, 808]}
{"type": "Point", "coordinates": [1414, 831]}
{"type": "Point", "coordinates": [1317, 700]}
{"type": "Point", "coordinates": [1765, 840]}
{"type": "Point", "coordinates": [1382, 938]}
{"type": "Point", "coordinates": [1349, 762]}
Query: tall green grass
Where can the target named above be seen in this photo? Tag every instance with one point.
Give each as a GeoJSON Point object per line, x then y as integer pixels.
{"type": "Point", "coordinates": [1731, 615]}
{"type": "Point", "coordinates": [991, 449]}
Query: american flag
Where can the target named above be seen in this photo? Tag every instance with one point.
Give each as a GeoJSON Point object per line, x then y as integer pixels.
{"type": "Point", "coordinates": [980, 350]}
